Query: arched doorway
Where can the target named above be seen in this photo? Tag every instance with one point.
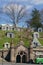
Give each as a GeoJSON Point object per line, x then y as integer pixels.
{"type": "Point", "coordinates": [18, 59]}
{"type": "Point", "coordinates": [24, 58]}
{"type": "Point", "coordinates": [21, 57]}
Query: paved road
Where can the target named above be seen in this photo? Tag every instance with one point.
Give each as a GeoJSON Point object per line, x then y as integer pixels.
{"type": "Point", "coordinates": [16, 64]}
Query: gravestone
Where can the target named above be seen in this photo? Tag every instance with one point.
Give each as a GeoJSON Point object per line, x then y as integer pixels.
{"type": "Point", "coordinates": [10, 35]}
{"type": "Point", "coordinates": [36, 35]}
{"type": "Point", "coordinates": [6, 45]}
{"type": "Point", "coordinates": [35, 42]}
{"type": "Point", "coordinates": [40, 30]}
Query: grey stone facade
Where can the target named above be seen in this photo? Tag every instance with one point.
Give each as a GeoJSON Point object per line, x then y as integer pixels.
{"type": "Point", "coordinates": [20, 51]}
{"type": "Point", "coordinates": [10, 34]}
{"type": "Point", "coordinates": [9, 27]}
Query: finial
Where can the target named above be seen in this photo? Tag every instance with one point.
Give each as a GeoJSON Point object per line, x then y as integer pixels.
{"type": "Point", "coordinates": [21, 42]}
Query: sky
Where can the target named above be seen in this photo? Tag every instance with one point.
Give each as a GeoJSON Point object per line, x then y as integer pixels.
{"type": "Point", "coordinates": [30, 4]}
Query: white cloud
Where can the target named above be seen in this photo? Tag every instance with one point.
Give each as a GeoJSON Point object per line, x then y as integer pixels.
{"type": "Point", "coordinates": [37, 2]}
{"type": "Point", "coordinates": [29, 7]}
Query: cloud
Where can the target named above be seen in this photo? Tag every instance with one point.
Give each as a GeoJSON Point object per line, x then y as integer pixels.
{"type": "Point", "coordinates": [29, 7]}
{"type": "Point", "coordinates": [37, 2]}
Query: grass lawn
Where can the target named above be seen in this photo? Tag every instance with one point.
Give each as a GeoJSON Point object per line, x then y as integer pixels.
{"type": "Point", "coordinates": [16, 39]}
{"type": "Point", "coordinates": [41, 34]}
{"type": "Point", "coordinates": [41, 41]}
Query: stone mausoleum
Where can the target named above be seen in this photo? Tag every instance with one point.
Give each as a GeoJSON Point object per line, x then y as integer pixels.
{"type": "Point", "coordinates": [20, 53]}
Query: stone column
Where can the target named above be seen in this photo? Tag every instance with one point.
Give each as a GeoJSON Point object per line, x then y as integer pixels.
{"type": "Point", "coordinates": [31, 53]}
{"type": "Point", "coordinates": [12, 52]}
{"type": "Point", "coordinates": [31, 48]}
{"type": "Point", "coordinates": [21, 59]}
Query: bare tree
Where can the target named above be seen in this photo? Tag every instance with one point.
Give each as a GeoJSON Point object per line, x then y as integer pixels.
{"type": "Point", "coordinates": [15, 12]}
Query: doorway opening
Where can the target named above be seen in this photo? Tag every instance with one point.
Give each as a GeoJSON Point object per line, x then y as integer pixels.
{"type": "Point", "coordinates": [18, 59]}
{"type": "Point", "coordinates": [24, 59]}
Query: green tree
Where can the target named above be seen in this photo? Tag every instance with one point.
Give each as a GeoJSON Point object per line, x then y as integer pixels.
{"type": "Point", "coordinates": [35, 20]}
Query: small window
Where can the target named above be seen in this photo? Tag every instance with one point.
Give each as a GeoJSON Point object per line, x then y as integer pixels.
{"type": "Point", "coordinates": [21, 52]}
{"type": "Point", "coordinates": [36, 44]}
